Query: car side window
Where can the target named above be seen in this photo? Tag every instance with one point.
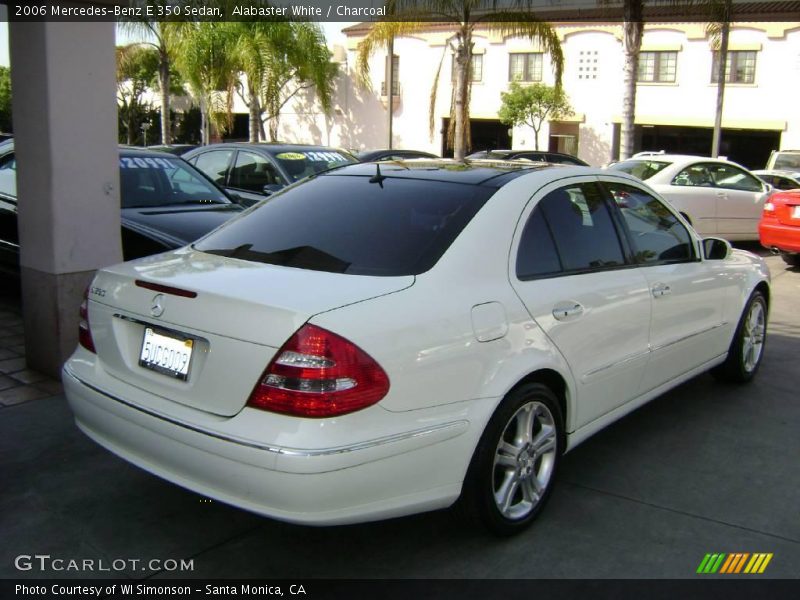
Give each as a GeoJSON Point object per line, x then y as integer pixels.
{"type": "Point", "coordinates": [656, 234]}
{"type": "Point", "coordinates": [784, 183]}
{"type": "Point", "coordinates": [581, 225]}
{"type": "Point", "coordinates": [214, 164]}
{"type": "Point", "coordinates": [537, 255]}
{"type": "Point", "coordinates": [8, 175]}
{"type": "Point", "coordinates": [695, 175]}
{"type": "Point", "coordinates": [252, 172]}
{"type": "Point", "coordinates": [733, 178]}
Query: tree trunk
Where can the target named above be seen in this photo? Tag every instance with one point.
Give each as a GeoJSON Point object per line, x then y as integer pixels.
{"type": "Point", "coordinates": [535, 139]}
{"type": "Point", "coordinates": [463, 56]}
{"type": "Point", "coordinates": [164, 82]}
{"type": "Point", "coordinates": [255, 113]}
{"type": "Point", "coordinates": [721, 75]}
{"type": "Point", "coordinates": [204, 130]}
{"type": "Point", "coordinates": [631, 45]}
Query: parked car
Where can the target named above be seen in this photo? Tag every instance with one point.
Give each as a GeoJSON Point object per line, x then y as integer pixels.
{"type": "Point", "coordinates": [354, 350]}
{"type": "Point", "coordinates": [254, 171]}
{"type": "Point", "coordinates": [784, 160]}
{"type": "Point", "coordinates": [780, 180]}
{"type": "Point", "coordinates": [176, 149]}
{"type": "Point", "coordinates": [716, 196]}
{"type": "Point", "coordinates": [534, 155]}
{"type": "Point", "coordinates": [166, 203]}
{"type": "Point", "coordinates": [383, 155]}
{"type": "Point", "coordinates": [779, 228]}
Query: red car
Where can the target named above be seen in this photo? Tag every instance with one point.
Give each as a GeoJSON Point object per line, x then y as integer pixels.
{"type": "Point", "coordinates": [779, 228]}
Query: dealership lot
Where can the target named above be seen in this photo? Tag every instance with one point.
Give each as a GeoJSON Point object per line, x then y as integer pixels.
{"type": "Point", "coordinates": [706, 468]}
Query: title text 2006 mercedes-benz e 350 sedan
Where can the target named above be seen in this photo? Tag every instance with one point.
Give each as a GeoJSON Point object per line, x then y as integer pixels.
{"type": "Point", "coordinates": [379, 341]}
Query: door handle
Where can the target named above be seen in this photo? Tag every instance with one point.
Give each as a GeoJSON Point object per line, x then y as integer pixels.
{"type": "Point", "coordinates": [660, 289]}
{"type": "Point", "coordinates": [567, 310]}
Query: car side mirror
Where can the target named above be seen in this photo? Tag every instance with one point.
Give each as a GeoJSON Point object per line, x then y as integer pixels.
{"type": "Point", "coordinates": [716, 248]}
{"type": "Point", "coordinates": [768, 187]}
{"type": "Point", "coordinates": [271, 188]}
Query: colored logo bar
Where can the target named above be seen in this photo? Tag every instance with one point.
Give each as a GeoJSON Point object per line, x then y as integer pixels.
{"type": "Point", "coordinates": [737, 562]}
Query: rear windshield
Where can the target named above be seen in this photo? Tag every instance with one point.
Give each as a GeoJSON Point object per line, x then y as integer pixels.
{"type": "Point", "coordinates": [164, 181]}
{"type": "Point", "coordinates": [310, 162]}
{"type": "Point", "coordinates": [346, 224]}
{"type": "Point", "coordinates": [641, 169]}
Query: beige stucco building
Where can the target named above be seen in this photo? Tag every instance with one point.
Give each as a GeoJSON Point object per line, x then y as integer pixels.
{"type": "Point", "coordinates": [675, 99]}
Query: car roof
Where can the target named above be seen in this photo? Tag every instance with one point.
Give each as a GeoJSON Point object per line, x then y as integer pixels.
{"type": "Point", "coordinates": [493, 173]}
{"type": "Point", "coordinates": [131, 152]}
{"type": "Point", "coordinates": [127, 151]}
{"type": "Point", "coordinates": [679, 159]}
{"type": "Point", "coordinates": [780, 172]}
{"type": "Point", "coordinates": [269, 147]}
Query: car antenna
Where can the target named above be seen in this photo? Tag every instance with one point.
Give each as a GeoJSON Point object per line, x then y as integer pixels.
{"type": "Point", "coordinates": [377, 178]}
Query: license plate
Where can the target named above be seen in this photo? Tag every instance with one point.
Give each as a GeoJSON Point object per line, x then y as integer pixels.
{"type": "Point", "coordinates": [166, 353]}
{"type": "Point", "coordinates": [796, 212]}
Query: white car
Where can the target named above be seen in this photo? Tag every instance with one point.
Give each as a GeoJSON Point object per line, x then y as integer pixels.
{"type": "Point", "coordinates": [384, 340]}
{"type": "Point", "coordinates": [716, 196]}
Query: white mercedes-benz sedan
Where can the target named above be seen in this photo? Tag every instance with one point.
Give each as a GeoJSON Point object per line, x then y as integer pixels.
{"type": "Point", "coordinates": [717, 197]}
{"type": "Point", "coordinates": [383, 340]}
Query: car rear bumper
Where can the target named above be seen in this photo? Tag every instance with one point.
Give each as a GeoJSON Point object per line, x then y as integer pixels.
{"type": "Point", "coordinates": [411, 471]}
{"type": "Point", "coordinates": [782, 237]}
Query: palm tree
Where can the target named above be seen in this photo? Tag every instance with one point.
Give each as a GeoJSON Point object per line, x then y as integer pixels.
{"type": "Point", "coordinates": [164, 37]}
{"type": "Point", "coordinates": [633, 29]}
{"type": "Point", "coordinates": [207, 61]}
{"type": "Point", "coordinates": [465, 16]}
{"type": "Point", "coordinates": [718, 29]}
{"type": "Point", "coordinates": [279, 60]}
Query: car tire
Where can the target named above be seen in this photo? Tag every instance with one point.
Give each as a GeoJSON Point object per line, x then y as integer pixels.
{"type": "Point", "coordinates": [512, 471]}
{"type": "Point", "coordinates": [747, 347]}
{"type": "Point", "coordinates": [791, 258]}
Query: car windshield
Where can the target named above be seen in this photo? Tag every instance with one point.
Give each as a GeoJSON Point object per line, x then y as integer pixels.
{"type": "Point", "coordinates": [164, 181]}
{"type": "Point", "coordinates": [353, 224]}
{"type": "Point", "coordinates": [641, 168]}
{"type": "Point", "coordinates": [300, 164]}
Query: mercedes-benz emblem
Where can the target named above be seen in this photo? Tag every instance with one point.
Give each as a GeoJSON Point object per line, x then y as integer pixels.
{"type": "Point", "coordinates": [157, 305]}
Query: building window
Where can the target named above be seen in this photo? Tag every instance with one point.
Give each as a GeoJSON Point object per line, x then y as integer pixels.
{"type": "Point", "coordinates": [587, 64]}
{"type": "Point", "coordinates": [525, 66]}
{"type": "Point", "coordinates": [740, 67]}
{"type": "Point", "coordinates": [395, 76]}
{"type": "Point", "coordinates": [657, 67]}
{"type": "Point", "coordinates": [477, 67]}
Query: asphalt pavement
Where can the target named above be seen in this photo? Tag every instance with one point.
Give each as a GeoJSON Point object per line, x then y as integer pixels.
{"type": "Point", "coordinates": [706, 468]}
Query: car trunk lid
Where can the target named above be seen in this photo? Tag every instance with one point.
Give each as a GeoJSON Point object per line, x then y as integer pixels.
{"type": "Point", "coordinates": [236, 314]}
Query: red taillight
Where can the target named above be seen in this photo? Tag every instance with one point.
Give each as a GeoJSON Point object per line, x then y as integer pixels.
{"type": "Point", "coordinates": [319, 374]}
{"type": "Point", "coordinates": [769, 209]}
{"type": "Point", "coordinates": [84, 331]}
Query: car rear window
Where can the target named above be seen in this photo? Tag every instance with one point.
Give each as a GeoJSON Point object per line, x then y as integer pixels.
{"type": "Point", "coordinates": [310, 162]}
{"type": "Point", "coordinates": [787, 160]}
{"type": "Point", "coordinates": [641, 169]}
{"type": "Point", "coordinates": [360, 225]}
{"type": "Point", "coordinates": [148, 181]}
